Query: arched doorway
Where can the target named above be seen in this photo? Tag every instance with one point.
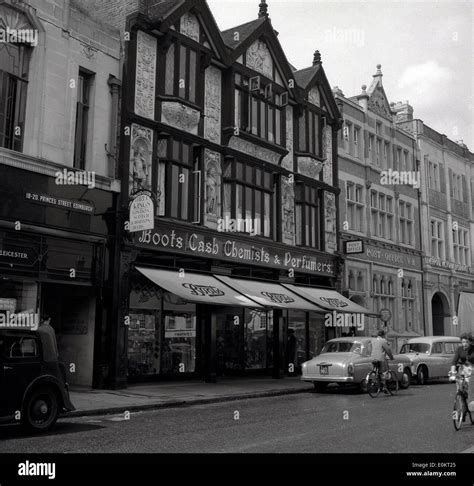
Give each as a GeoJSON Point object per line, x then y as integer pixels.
{"type": "Point", "coordinates": [439, 310]}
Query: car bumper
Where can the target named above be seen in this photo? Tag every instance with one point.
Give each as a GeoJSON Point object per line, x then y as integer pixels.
{"type": "Point", "coordinates": [329, 379]}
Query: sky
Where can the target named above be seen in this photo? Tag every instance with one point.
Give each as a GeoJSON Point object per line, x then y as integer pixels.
{"type": "Point", "coordinates": [426, 49]}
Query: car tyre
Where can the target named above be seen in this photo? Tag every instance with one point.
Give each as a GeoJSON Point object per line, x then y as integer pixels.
{"type": "Point", "coordinates": [319, 387]}
{"type": "Point", "coordinates": [363, 386]}
{"type": "Point", "coordinates": [406, 379]}
{"type": "Point", "coordinates": [40, 410]}
{"type": "Point", "coordinates": [422, 375]}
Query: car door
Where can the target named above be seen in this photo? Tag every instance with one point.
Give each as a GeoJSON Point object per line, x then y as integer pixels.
{"type": "Point", "coordinates": [21, 365]}
{"type": "Point", "coordinates": [436, 360]}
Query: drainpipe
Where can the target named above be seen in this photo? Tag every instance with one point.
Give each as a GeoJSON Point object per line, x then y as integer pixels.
{"type": "Point", "coordinates": [418, 163]}
{"type": "Point", "coordinates": [111, 148]}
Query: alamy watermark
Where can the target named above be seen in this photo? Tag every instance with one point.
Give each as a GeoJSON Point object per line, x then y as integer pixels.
{"type": "Point", "coordinates": [344, 319]}
{"type": "Point", "coordinates": [233, 225]}
{"type": "Point", "coordinates": [18, 36]}
{"type": "Point", "coordinates": [21, 320]}
{"type": "Point", "coordinates": [400, 177]}
{"type": "Point", "coordinates": [73, 178]}
{"type": "Point", "coordinates": [337, 35]}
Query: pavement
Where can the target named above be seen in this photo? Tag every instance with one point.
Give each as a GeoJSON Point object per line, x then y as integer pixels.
{"type": "Point", "coordinates": [166, 395]}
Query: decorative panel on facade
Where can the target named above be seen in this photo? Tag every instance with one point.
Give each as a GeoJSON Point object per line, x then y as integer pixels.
{"type": "Point", "coordinates": [309, 167]}
{"type": "Point", "coordinates": [141, 150]}
{"type": "Point", "coordinates": [254, 150]}
{"type": "Point", "coordinates": [314, 97]}
{"type": "Point", "coordinates": [190, 26]}
{"type": "Point", "coordinates": [288, 211]}
{"type": "Point", "coordinates": [259, 58]}
{"type": "Point", "coordinates": [287, 162]}
{"type": "Point", "coordinates": [180, 116]}
{"type": "Point", "coordinates": [213, 105]}
{"type": "Point", "coordinates": [327, 154]}
{"type": "Point", "coordinates": [330, 222]}
{"type": "Point", "coordinates": [145, 75]}
{"type": "Point", "coordinates": [212, 196]}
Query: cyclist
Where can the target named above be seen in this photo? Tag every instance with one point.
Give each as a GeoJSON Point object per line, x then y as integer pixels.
{"type": "Point", "coordinates": [380, 351]}
{"type": "Point", "coordinates": [464, 356]}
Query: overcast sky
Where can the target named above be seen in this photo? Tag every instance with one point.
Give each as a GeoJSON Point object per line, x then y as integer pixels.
{"type": "Point", "coordinates": [426, 49]}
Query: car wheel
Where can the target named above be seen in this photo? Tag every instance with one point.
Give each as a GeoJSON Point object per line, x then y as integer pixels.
{"type": "Point", "coordinates": [422, 375]}
{"type": "Point", "coordinates": [363, 385]}
{"type": "Point", "coordinates": [319, 387]}
{"type": "Point", "coordinates": [406, 379]}
{"type": "Point", "coordinates": [41, 410]}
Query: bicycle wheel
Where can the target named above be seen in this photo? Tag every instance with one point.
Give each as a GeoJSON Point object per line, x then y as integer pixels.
{"type": "Point", "coordinates": [458, 411]}
{"type": "Point", "coordinates": [373, 384]}
{"type": "Point", "coordinates": [392, 382]}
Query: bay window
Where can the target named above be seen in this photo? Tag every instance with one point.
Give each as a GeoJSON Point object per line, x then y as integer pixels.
{"type": "Point", "coordinates": [181, 161]}
{"type": "Point", "coordinates": [307, 206]}
{"type": "Point", "coordinates": [182, 66]}
{"type": "Point", "coordinates": [248, 198]}
{"type": "Point", "coordinates": [260, 111]}
{"type": "Point", "coordinates": [309, 128]}
{"type": "Point", "coordinates": [14, 60]}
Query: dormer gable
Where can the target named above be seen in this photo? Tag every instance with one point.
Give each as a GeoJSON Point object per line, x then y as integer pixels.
{"type": "Point", "coordinates": [378, 102]}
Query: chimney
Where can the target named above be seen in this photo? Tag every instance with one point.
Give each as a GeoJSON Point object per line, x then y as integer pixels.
{"type": "Point", "coordinates": [403, 111]}
{"type": "Point", "coordinates": [363, 98]}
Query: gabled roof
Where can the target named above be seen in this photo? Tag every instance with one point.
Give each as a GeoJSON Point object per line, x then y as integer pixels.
{"type": "Point", "coordinates": [303, 77]}
{"type": "Point", "coordinates": [244, 31]}
{"type": "Point", "coordinates": [378, 102]}
{"type": "Point", "coordinates": [169, 12]}
{"type": "Point", "coordinates": [314, 75]}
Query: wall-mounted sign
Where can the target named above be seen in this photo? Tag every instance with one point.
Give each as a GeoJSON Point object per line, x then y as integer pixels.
{"type": "Point", "coordinates": [392, 257]}
{"type": "Point", "coordinates": [194, 243]}
{"type": "Point", "coordinates": [60, 202]}
{"type": "Point", "coordinates": [142, 212]}
{"type": "Point", "coordinates": [437, 262]}
{"type": "Point", "coordinates": [8, 305]}
{"type": "Point", "coordinates": [385, 314]}
{"type": "Point", "coordinates": [354, 246]}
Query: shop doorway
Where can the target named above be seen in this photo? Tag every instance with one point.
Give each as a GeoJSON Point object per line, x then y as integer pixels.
{"type": "Point", "coordinates": [439, 311]}
{"type": "Point", "coordinates": [72, 312]}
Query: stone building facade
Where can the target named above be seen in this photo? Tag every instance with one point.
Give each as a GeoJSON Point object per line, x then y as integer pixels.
{"type": "Point", "coordinates": [238, 152]}
{"type": "Point", "coordinates": [447, 226]}
{"type": "Point", "coordinates": [379, 213]}
{"type": "Point", "coordinates": [59, 99]}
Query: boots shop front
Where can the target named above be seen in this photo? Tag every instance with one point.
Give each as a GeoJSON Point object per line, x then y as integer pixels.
{"type": "Point", "coordinates": [229, 313]}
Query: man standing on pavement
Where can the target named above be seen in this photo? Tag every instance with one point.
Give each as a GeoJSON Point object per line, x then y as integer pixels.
{"type": "Point", "coordinates": [380, 351]}
{"type": "Point", "coordinates": [48, 339]}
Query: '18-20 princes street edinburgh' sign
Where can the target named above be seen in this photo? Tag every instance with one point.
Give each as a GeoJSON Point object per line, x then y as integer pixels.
{"type": "Point", "coordinates": [212, 246]}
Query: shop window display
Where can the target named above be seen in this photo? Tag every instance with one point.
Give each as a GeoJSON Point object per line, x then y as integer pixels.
{"type": "Point", "coordinates": [255, 339]}
{"type": "Point", "coordinates": [18, 296]}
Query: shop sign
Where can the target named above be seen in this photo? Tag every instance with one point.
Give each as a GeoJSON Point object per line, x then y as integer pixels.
{"type": "Point", "coordinates": [15, 254]}
{"type": "Point", "coordinates": [203, 290]}
{"type": "Point", "coordinates": [385, 314]}
{"type": "Point", "coordinates": [218, 247]}
{"type": "Point", "coordinates": [60, 202]}
{"type": "Point", "coordinates": [354, 246]}
{"type": "Point", "coordinates": [437, 262]}
{"type": "Point", "coordinates": [142, 213]}
{"type": "Point", "coordinates": [278, 298]}
{"type": "Point", "coordinates": [8, 305]}
{"type": "Point", "coordinates": [177, 333]}
{"type": "Point", "coordinates": [395, 258]}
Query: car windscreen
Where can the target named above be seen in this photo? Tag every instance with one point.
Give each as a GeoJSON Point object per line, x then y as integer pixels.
{"type": "Point", "coordinates": [415, 348]}
{"type": "Point", "coordinates": [342, 347]}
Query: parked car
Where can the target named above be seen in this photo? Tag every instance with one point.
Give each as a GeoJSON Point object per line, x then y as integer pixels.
{"type": "Point", "coordinates": [430, 356]}
{"type": "Point", "coordinates": [349, 360]}
{"type": "Point", "coordinates": [33, 386]}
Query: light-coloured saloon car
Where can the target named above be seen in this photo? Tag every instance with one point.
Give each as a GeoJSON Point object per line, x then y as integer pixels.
{"type": "Point", "coordinates": [349, 360]}
{"type": "Point", "coordinates": [430, 356]}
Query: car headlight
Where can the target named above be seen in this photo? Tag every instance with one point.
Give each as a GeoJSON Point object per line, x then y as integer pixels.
{"type": "Point", "coordinates": [350, 369]}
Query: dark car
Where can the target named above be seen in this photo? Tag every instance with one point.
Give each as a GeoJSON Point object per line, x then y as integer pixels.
{"type": "Point", "coordinates": [33, 386]}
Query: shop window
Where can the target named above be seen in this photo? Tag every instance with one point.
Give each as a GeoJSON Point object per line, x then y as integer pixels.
{"type": "Point", "coordinates": [255, 339]}
{"type": "Point", "coordinates": [307, 206]}
{"type": "Point", "coordinates": [248, 198]}
{"type": "Point", "coordinates": [17, 296]}
{"type": "Point", "coordinates": [84, 85]}
{"type": "Point", "coordinates": [351, 283]}
{"type": "Point", "coordinates": [296, 341]}
{"type": "Point", "coordinates": [360, 282]}
{"type": "Point", "coordinates": [14, 67]}
{"type": "Point", "coordinates": [258, 108]}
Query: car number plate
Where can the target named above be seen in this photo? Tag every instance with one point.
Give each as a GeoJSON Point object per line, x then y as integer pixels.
{"type": "Point", "coordinates": [324, 370]}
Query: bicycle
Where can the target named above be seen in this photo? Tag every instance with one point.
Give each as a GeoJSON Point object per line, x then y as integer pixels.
{"type": "Point", "coordinates": [374, 381]}
{"type": "Point", "coordinates": [461, 405]}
